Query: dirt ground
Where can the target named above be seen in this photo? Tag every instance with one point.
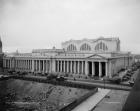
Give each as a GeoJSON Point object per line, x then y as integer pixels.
{"type": "Point", "coordinates": [114, 101]}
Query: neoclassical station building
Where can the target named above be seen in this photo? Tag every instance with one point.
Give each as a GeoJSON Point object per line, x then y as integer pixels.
{"type": "Point", "coordinates": [88, 57]}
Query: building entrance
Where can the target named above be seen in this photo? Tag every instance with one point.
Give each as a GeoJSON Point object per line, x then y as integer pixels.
{"type": "Point", "coordinates": [103, 69]}
{"type": "Point", "coordinates": [96, 68]}
{"type": "Point", "coordinates": [90, 68]}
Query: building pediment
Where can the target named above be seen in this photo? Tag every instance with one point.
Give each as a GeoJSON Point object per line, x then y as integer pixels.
{"type": "Point", "coordinates": [97, 56]}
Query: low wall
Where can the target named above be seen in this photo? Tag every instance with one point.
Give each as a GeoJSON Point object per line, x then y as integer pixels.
{"type": "Point", "coordinates": [79, 101]}
{"type": "Point", "coordinates": [62, 83]}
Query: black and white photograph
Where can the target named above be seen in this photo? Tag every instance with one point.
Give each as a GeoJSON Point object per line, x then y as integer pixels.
{"type": "Point", "coordinates": [69, 55]}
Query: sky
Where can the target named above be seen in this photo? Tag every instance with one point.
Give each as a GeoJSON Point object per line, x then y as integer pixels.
{"type": "Point", "coordinates": [42, 24]}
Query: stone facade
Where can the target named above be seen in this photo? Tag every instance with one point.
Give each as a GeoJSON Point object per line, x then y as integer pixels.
{"type": "Point", "coordinates": [100, 57]}
{"type": "Point", "coordinates": [93, 45]}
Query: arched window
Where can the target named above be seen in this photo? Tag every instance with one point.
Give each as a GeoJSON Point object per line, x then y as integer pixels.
{"type": "Point", "coordinates": [101, 46]}
{"type": "Point", "coordinates": [71, 47]}
{"type": "Point", "coordinates": [85, 47]}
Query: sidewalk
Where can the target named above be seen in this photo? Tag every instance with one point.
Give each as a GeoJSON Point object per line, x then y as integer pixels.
{"type": "Point", "coordinates": [91, 102]}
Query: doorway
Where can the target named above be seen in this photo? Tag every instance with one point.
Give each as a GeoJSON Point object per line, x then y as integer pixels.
{"type": "Point", "coordinates": [97, 69]}
{"type": "Point", "coordinates": [90, 68]}
{"type": "Point", "coordinates": [103, 69]}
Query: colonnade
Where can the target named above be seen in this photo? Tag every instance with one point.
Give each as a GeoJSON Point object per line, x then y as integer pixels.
{"type": "Point", "coordinates": [42, 66]}
{"type": "Point", "coordinates": [67, 66]}
{"type": "Point", "coordinates": [23, 64]}
{"type": "Point", "coordinates": [98, 68]}
{"type": "Point", "coordinates": [7, 63]}
{"type": "Point", "coordinates": [39, 66]}
{"type": "Point", "coordinates": [82, 67]}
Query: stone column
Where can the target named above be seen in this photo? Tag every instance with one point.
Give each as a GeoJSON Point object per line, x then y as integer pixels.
{"type": "Point", "coordinates": [82, 71]}
{"type": "Point", "coordinates": [30, 64]}
{"type": "Point", "coordinates": [19, 64]}
{"type": "Point", "coordinates": [15, 63]}
{"type": "Point", "coordinates": [64, 66]}
{"type": "Point", "coordinates": [86, 67]}
{"type": "Point", "coordinates": [49, 66]}
{"type": "Point", "coordinates": [67, 66]}
{"type": "Point", "coordinates": [24, 64]}
{"type": "Point", "coordinates": [39, 66]}
{"type": "Point", "coordinates": [61, 66]}
{"type": "Point", "coordinates": [27, 64]}
{"type": "Point", "coordinates": [46, 66]}
{"type": "Point", "coordinates": [93, 68]}
{"type": "Point", "coordinates": [74, 66]}
{"type": "Point", "coordinates": [71, 66]}
{"type": "Point", "coordinates": [53, 65]}
{"type": "Point", "coordinates": [78, 67]}
{"type": "Point", "coordinates": [9, 63]}
{"type": "Point", "coordinates": [110, 69]}
{"type": "Point", "coordinates": [43, 66]}
{"type": "Point", "coordinates": [6, 63]}
{"type": "Point", "coordinates": [57, 65]}
{"type": "Point", "coordinates": [33, 65]}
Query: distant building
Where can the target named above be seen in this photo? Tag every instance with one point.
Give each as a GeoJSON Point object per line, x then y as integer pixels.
{"type": "Point", "coordinates": [137, 58]}
{"type": "Point", "coordinates": [88, 57]}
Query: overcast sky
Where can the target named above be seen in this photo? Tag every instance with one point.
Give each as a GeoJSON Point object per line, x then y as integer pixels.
{"type": "Point", "coordinates": [31, 24]}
